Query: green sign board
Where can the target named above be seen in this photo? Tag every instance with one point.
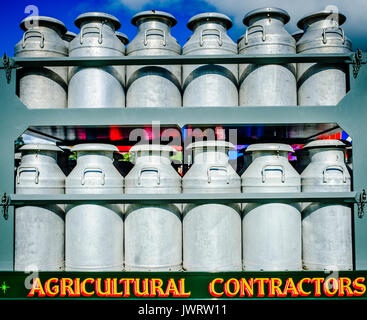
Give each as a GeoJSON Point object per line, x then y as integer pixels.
{"type": "Point", "coordinates": [184, 285]}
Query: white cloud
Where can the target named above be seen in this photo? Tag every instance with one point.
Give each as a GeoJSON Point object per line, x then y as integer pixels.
{"type": "Point", "coordinates": [140, 4]}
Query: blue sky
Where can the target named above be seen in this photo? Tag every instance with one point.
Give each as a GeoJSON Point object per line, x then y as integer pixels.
{"type": "Point", "coordinates": [68, 10]}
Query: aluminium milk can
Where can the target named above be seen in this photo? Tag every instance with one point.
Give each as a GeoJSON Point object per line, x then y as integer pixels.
{"type": "Point", "coordinates": [123, 38]}
{"type": "Point", "coordinates": [326, 228]}
{"type": "Point", "coordinates": [39, 230]}
{"type": "Point", "coordinates": [211, 232]}
{"type": "Point", "coordinates": [322, 84]}
{"type": "Point", "coordinates": [153, 86]}
{"type": "Point", "coordinates": [271, 231]}
{"type": "Point", "coordinates": [68, 37]}
{"type": "Point", "coordinates": [153, 233]}
{"type": "Point", "coordinates": [212, 84]}
{"type": "Point", "coordinates": [272, 84]}
{"type": "Point", "coordinates": [43, 87]}
{"type": "Point", "coordinates": [122, 69]}
{"type": "Point", "coordinates": [94, 233]}
{"type": "Point", "coordinates": [96, 87]}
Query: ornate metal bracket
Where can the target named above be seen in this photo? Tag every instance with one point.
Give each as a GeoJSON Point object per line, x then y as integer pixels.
{"type": "Point", "coordinates": [5, 201]}
{"type": "Point", "coordinates": [357, 61]}
{"type": "Point", "coordinates": [7, 67]}
{"type": "Point", "coordinates": [361, 203]}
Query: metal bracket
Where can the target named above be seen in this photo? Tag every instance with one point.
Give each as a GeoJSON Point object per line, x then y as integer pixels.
{"type": "Point", "coordinates": [357, 61]}
{"type": "Point", "coordinates": [5, 202]}
{"type": "Point", "coordinates": [361, 203]}
{"type": "Point", "coordinates": [7, 67]}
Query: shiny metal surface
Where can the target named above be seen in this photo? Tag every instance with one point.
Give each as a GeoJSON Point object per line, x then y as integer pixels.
{"type": "Point", "coordinates": [94, 233]}
{"type": "Point", "coordinates": [153, 86]}
{"type": "Point", "coordinates": [326, 228]}
{"type": "Point", "coordinates": [68, 37]}
{"type": "Point", "coordinates": [211, 232]}
{"type": "Point", "coordinates": [322, 84]}
{"type": "Point", "coordinates": [153, 233]}
{"type": "Point", "coordinates": [44, 87]}
{"type": "Point", "coordinates": [271, 233]}
{"type": "Point", "coordinates": [210, 85]}
{"type": "Point", "coordinates": [96, 87]}
{"type": "Point", "coordinates": [39, 230]}
{"type": "Point", "coordinates": [273, 84]}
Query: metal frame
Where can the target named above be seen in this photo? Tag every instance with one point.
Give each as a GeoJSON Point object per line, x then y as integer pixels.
{"type": "Point", "coordinates": [350, 115]}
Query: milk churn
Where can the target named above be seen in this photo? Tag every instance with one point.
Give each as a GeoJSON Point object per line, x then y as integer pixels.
{"type": "Point", "coordinates": [297, 35]}
{"type": "Point", "coordinates": [153, 86]}
{"type": "Point", "coordinates": [318, 83]}
{"type": "Point", "coordinates": [271, 231]}
{"type": "Point", "coordinates": [210, 85]}
{"type": "Point", "coordinates": [272, 84]}
{"type": "Point", "coordinates": [43, 87]}
{"type": "Point", "coordinates": [68, 37]}
{"type": "Point", "coordinates": [326, 228]}
{"type": "Point", "coordinates": [123, 38]}
{"type": "Point", "coordinates": [303, 159]}
{"type": "Point", "coordinates": [153, 233]}
{"type": "Point", "coordinates": [94, 233]}
{"type": "Point", "coordinates": [39, 230]}
{"type": "Point", "coordinates": [211, 232]}
{"type": "Point", "coordinates": [96, 87]}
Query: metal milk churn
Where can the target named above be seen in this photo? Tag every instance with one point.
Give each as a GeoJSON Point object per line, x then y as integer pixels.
{"type": "Point", "coordinates": [68, 37]}
{"type": "Point", "coordinates": [153, 233]}
{"type": "Point", "coordinates": [94, 233]}
{"type": "Point", "coordinates": [153, 86]}
{"type": "Point", "coordinates": [123, 38]}
{"type": "Point", "coordinates": [96, 87]}
{"type": "Point", "coordinates": [272, 84]}
{"type": "Point", "coordinates": [326, 227]}
{"type": "Point", "coordinates": [211, 232]}
{"type": "Point", "coordinates": [297, 35]}
{"type": "Point", "coordinates": [43, 87]}
{"type": "Point", "coordinates": [213, 84]}
{"type": "Point", "coordinates": [303, 159]}
{"type": "Point", "coordinates": [271, 231]}
{"type": "Point", "coordinates": [319, 83]}
{"type": "Point", "coordinates": [39, 230]}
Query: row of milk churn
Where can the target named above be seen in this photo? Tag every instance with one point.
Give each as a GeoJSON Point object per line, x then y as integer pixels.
{"type": "Point", "coordinates": [187, 85]}
{"type": "Point", "coordinates": [194, 236]}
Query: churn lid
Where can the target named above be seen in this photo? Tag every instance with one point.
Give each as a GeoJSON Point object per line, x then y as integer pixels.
{"type": "Point", "coordinates": [211, 144]}
{"type": "Point", "coordinates": [94, 147]}
{"type": "Point", "coordinates": [69, 36]}
{"type": "Point", "coordinates": [297, 35]}
{"type": "Point", "coordinates": [40, 147]}
{"type": "Point", "coordinates": [325, 144]}
{"type": "Point", "coordinates": [271, 11]}
{"type": "Point", "coordinates": [97, 16]}
{"type": "Point", "coordinates": [152, 14]}
{"type": "Point", "coordinates": [303, 23]}
{"type": "Point", "coordinates": [281, 147]}
{"type": "Point", "coordinates": [152, 147]}
{"type": "Point", "coordinates": [123, 37]}
{"type": "Point", "coordinates": [43, 21]}
{"type": "Point", "coordinates": [209, 16]}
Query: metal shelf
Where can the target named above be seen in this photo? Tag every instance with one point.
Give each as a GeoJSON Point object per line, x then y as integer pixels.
{"type": "Point", "coordinates": [38, 199]}
{"type": "Point", "coordinates": [292, 122]}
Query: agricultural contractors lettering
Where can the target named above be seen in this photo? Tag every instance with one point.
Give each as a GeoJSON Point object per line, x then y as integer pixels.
{"type": "Point", "coordinates": [217, 288]}
{"type": "Point", "coordinates": [274, 287]}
